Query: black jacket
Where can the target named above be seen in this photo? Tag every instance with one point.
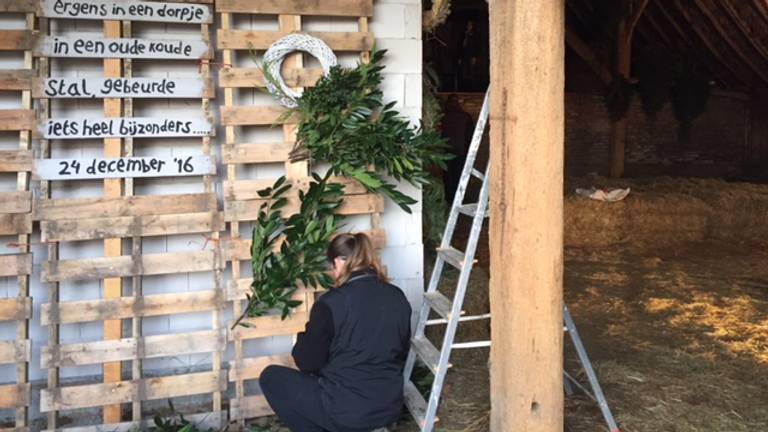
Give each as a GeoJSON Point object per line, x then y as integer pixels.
{"type": "Point", "coordinates": [357, 340]}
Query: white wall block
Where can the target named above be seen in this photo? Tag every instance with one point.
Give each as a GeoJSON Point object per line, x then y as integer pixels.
{"type": "Point", "coordinates": [393, 87]}
{"type": "Point", "coordinates": [389, 20]}
{"type": "Point", "coordinates": [413, 91]}
{"type": "Point", "coordinates": [403, 55]}
{"type": "Point", "coordinates": [413, 21]}
{"type": "Point", "coordinates": [410, 228]}
{"type": "Point", "coordinates": [403, 262]}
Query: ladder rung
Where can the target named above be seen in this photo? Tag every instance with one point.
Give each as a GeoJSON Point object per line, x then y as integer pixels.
{"type": "Point", "coordinates": [427, 352]}
{"type": "Point", "coordinates": [470, 209]}
{"type": "Point", "coordinates": [439, 303]}
{"type": "Point", "coordinates": [452, 256]}
{"type": "Point", "coordinates": [465, 345]}
{"type": "Point", "coordinates": [461, 319]}
{"type": "Point", "coordinates": [478, 174]}
{"type": "Point", "coordinates": [415, 403]}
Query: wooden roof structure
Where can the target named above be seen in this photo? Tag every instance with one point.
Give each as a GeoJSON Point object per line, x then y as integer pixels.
{"type": "Point", "coordinates": [726, 39]}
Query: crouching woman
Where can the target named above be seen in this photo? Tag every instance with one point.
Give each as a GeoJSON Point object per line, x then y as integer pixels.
{"type": "Point", "coordinates": [351, 356]}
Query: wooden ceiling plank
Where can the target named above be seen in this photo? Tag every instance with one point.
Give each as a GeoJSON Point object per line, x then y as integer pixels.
{"type": "Point", "coordinates": [736, 47]}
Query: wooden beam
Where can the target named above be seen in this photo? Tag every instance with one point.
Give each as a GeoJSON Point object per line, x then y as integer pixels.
{"type": "Point", "coordinates": [588, 55]}
{"type": "Point", "coordinates": [735, 46]}
{"type": "Point", "coordinates": [113, 188]}
{"type": "Point", "coordinates": [526, 225]}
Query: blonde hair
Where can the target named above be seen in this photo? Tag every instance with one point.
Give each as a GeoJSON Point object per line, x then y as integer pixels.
{"type": "Point", "coordinates": [358, 254]}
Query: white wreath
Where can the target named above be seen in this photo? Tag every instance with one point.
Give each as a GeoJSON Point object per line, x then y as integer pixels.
{"type": "Point", "coordinates": [273, 61]}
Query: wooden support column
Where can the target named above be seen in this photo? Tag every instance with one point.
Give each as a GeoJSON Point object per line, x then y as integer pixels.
{"type": "Point", "coordinates": [526, 227]}
{"type": "Point", "coordinates": [623, 69]}
{"type": "Point", "coordinates": [112, 247]}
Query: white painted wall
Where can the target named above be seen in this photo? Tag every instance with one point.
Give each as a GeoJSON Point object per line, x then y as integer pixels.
{"type": "Point", "coordinates": [396, 25]}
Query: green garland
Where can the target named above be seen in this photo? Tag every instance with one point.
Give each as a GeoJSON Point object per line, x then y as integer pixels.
{"type": "Point", "coordinates": [344, 122]}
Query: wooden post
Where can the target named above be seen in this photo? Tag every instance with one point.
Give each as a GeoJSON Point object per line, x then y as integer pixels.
{"type": "Point", "coordinates": [619, 128]}
{"type": "Point", "coordinates": [526, 227]}
{"type": "Point", "coordinates": [623, 68]}
{"type": "Point", "coordinates": [112, 247]}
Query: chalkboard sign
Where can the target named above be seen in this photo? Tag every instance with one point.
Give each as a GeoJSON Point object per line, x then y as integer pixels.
{"type": "Point", "coordinates": [101, 168]}
{"type": "Point", "coordinates": [88, 46]}
{"type": "Point", "coordinates": [127, 10]}
{"type": "Point", "coordinates": [121, 127]}
{"type": "Point", "coordinates": [122, 88]}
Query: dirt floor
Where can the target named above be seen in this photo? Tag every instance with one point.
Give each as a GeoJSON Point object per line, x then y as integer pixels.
{"type": "Point", "coordinates": [679, 340]}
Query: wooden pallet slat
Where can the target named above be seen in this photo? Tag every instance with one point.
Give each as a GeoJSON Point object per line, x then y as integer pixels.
{"type": "Point", "coordinates": [17, 40]}
{"type": "Point", "coordinates": [14, 395]}
{"type": "Point", "coordinates": [15, 351]}
{"type": "Point", "coordinates": [146, 347]}
{"type": "Point", "coordinates": [204, 421]}
{"type": "Point", "coordinates": [250, 78]}
{"type": "Point", "coordinates": [67, 209]}
{"type": "Point", "coordinates": [251, 368]}
{"type": "Point", "coordinates": [18, 79]}
{"type": "Point", "coordinates": [13, 224]}
{"type": "Point", "coordinates": [18, 6]}
{"type": "Point", "coordinates": [17, 119]}
{"type": "Point", "coordinates": [16, 202]}
{"type": "Point", "coordinates": [244, 190]}
{"type": "Point", "coordinates": [128, 307]}
{"type": "Point", "coordinates": [240, 249]}
{"type": "Point", "coordinates": [97, 395]}
{"type": "Point", "coordinates": [254, 116]}
{"type": "Point", "coordinates": [247, 407]}
{"type": "Point", "coordinates": [15, 309]}
{"type": "Point", "coordinates": [256, 153]}
{"type": "Point", "coordinates": [15, 264]}
{"type": "Point", "coordinates": [261, 40]}
{"type": "Point", "coordinates": [351, 205]}
{"type": "Point", "coordinates": [125, 266]}
{"type": "Point", "coordinates": [131, 226]}
{"type": "Point", "coordinates": [271, 325]}
{"type": "Point", "coordinates": [351, 8]}
{"type": "Point", "coordinates": [15, 160]}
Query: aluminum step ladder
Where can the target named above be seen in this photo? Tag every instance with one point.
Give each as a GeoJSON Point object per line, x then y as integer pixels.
{"type": "Point", "coordinates": [450, 311]}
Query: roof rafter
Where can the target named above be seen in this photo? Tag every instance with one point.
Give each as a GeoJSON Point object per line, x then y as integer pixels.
{"type": "Point", "coordinates": [685, 35]}
{"type": "Point", "coordinates": [736, 47]}
{"type": "Point", "coordinates": [745, 29]}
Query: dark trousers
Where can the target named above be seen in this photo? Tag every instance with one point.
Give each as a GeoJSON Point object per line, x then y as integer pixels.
{"type": "Point", "coordinates": [295, 398]}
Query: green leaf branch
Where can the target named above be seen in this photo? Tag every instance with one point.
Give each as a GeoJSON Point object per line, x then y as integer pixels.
{"type": "Point", "coordinates": [343, 121]}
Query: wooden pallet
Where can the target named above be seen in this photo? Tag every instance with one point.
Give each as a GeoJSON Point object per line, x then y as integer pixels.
{"type": "Point", "coordinates": [15, 213]}
{"type": "Point", "coordinates": [241, 202]}
{"type": "Point", "coordinates": [120, 218]}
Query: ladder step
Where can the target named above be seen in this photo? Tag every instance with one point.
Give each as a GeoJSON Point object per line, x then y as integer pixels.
{"type": "Point", "coordinates": [415, 403]}
{"type": "Point", "coordinates": [452, 256]}
{"type": "Point", "coordinates": [439, 303]}
{"type": "Point", "coordinates": [478, 174]}
{"type": "Point", "coordinates": [427, 352]}
{"type": "Point", "coordinates": [471, 210]}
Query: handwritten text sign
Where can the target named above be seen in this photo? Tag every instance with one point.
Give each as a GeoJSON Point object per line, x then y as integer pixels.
{"type": "Point", "coordinates": [121, 127]}
{"type": "Point", "coordinates": [100, 168]}
{"type": "Point", "coordinates": [128, 10]}
{"type": "Point", "coordinates": [122, 88]}
{"type": "Point", "coordinates": [88, 46]}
